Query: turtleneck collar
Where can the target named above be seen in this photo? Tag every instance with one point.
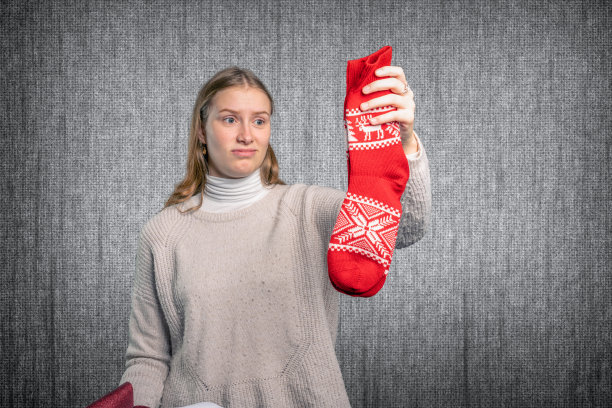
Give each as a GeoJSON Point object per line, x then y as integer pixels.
{"type": "Point", "coordinates": [226, 194]}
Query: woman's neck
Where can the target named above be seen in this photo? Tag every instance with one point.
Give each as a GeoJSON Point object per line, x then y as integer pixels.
{"type": "Point", "coordinates": [225, 194]}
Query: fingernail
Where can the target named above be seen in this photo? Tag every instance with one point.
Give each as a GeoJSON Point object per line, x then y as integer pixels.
{"type": "Point", "coordinates": [373, 121]}
{"type": "Point", "coordinates": [364, 106]}
{"type": "Point", "coordinates": [366, 88]}
{"type": "Point", "coordinates": [379, 71]}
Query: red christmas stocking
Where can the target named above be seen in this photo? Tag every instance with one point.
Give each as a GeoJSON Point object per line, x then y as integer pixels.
{"type": "Point", "coordinates": [363, 240]}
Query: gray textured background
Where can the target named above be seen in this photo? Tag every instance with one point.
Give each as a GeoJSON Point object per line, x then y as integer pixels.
{"type": "Point", "coordinates": [506, 301]}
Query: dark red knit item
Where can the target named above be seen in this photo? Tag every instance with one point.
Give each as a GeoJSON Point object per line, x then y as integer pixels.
{"type": "Point", "coordinates": [362, 243]}
{"type": "Point", "coordinates": [120, 397]}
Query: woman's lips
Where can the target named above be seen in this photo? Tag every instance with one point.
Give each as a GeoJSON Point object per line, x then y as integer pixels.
{"type": "Point", "coordinates": [244, 152]}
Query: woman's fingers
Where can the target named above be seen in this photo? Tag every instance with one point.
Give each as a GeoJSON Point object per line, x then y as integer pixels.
{"type": "Point", "coordinates": [393, 84]}
{"type": "Point", "coordinates": [392, 71]}
{"type": "Point", "coordinates": [401, 98]}
{"type": "Point", "coordinates": [396, 82]}
{"type": "Point", "coordinates": [399, 101]}
{"type": "Point", "coordinates": [404, 117]}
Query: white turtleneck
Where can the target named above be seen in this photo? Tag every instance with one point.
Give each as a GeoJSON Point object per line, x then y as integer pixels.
{"type": "Point", "coordinates": [227, 194]}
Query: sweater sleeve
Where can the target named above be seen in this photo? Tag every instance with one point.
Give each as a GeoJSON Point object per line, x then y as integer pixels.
{"type": "Point", "coordinates": [324, 204]}
{"type": "Point", "coordinates": [148, 351]}
{"type": "Point", "coordinates": [416, 200]}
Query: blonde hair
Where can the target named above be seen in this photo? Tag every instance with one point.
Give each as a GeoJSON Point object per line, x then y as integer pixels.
{"type": "Point", "coordinates": [197, 166]}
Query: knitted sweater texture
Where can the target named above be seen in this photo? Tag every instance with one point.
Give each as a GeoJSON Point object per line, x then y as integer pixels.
{"type": "Point", "coordinates": [237, 307]}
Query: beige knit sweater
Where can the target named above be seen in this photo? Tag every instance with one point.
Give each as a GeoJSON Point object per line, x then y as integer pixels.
{"type": "Point", "coordinates": [237, 308]}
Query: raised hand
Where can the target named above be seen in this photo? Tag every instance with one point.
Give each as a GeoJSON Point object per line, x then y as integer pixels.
{"type": "Point", "coordinates": [401, 97]}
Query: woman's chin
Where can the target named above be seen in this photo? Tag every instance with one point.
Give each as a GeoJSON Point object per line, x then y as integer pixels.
{"type": "Point", "coordinates": [242, 172]}
{"type": "Point", "coordinates": [238, 169]}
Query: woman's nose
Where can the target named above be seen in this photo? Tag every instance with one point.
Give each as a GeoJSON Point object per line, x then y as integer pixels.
{"type": "Point", "coordinates": [245, 133]}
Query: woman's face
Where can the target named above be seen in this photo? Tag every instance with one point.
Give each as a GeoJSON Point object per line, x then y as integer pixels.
{"type": "Point", "coordinates": [237, 131]}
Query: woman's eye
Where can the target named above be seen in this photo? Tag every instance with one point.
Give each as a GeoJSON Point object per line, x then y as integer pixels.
{"type": "Point", "coordinates": [229, 119]}
{"type": "Point", "coordinates": [260, 122]}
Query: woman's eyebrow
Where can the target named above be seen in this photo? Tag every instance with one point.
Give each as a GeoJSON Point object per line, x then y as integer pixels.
{"type": "Point", "coordinates": [235, 112]}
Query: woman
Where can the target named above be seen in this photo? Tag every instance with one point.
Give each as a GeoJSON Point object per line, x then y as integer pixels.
{"type": "Point", "coordinates": [231, 301]}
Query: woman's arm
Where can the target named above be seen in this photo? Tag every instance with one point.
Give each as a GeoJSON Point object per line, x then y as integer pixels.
{"type": "Point", "coordinates": [416, 203]}
{"type": "Point", "coordinates": [416, 200]}
{"type": "Point", "coordinates": [148, 352]}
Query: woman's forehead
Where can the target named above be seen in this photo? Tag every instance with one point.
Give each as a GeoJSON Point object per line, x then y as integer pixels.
{"type": "Point", "coordinates": [238, 99]}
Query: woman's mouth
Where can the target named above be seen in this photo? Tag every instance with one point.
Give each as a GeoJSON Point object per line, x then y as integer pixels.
{"type": "Point", "coordinates": [244, 152]}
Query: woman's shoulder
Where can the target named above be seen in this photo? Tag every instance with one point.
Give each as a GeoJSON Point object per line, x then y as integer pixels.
{"type": "Point", "coordinates": [165, 222]}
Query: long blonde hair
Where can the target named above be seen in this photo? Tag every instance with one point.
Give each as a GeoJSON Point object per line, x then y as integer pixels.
{"type": "Point", "coordinates": [197, 165]}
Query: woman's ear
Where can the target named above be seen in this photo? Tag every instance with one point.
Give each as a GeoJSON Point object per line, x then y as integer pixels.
{"type": "Point", "coordinates": [200, 135]}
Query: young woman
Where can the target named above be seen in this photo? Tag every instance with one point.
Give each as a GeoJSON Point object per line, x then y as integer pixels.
{"type": "Point", "coordinates": [232, 302]}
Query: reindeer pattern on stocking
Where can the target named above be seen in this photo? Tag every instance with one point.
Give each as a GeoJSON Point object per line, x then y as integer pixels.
{"type": "Point", "coordinates": [359, 131]}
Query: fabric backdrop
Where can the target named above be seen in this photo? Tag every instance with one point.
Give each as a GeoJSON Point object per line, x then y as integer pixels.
{"type": "Point", "coordinates": [505, 302]}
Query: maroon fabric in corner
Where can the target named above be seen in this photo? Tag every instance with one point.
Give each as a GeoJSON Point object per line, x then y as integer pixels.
{"type": "Point", "coordinates": [120, 397]}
